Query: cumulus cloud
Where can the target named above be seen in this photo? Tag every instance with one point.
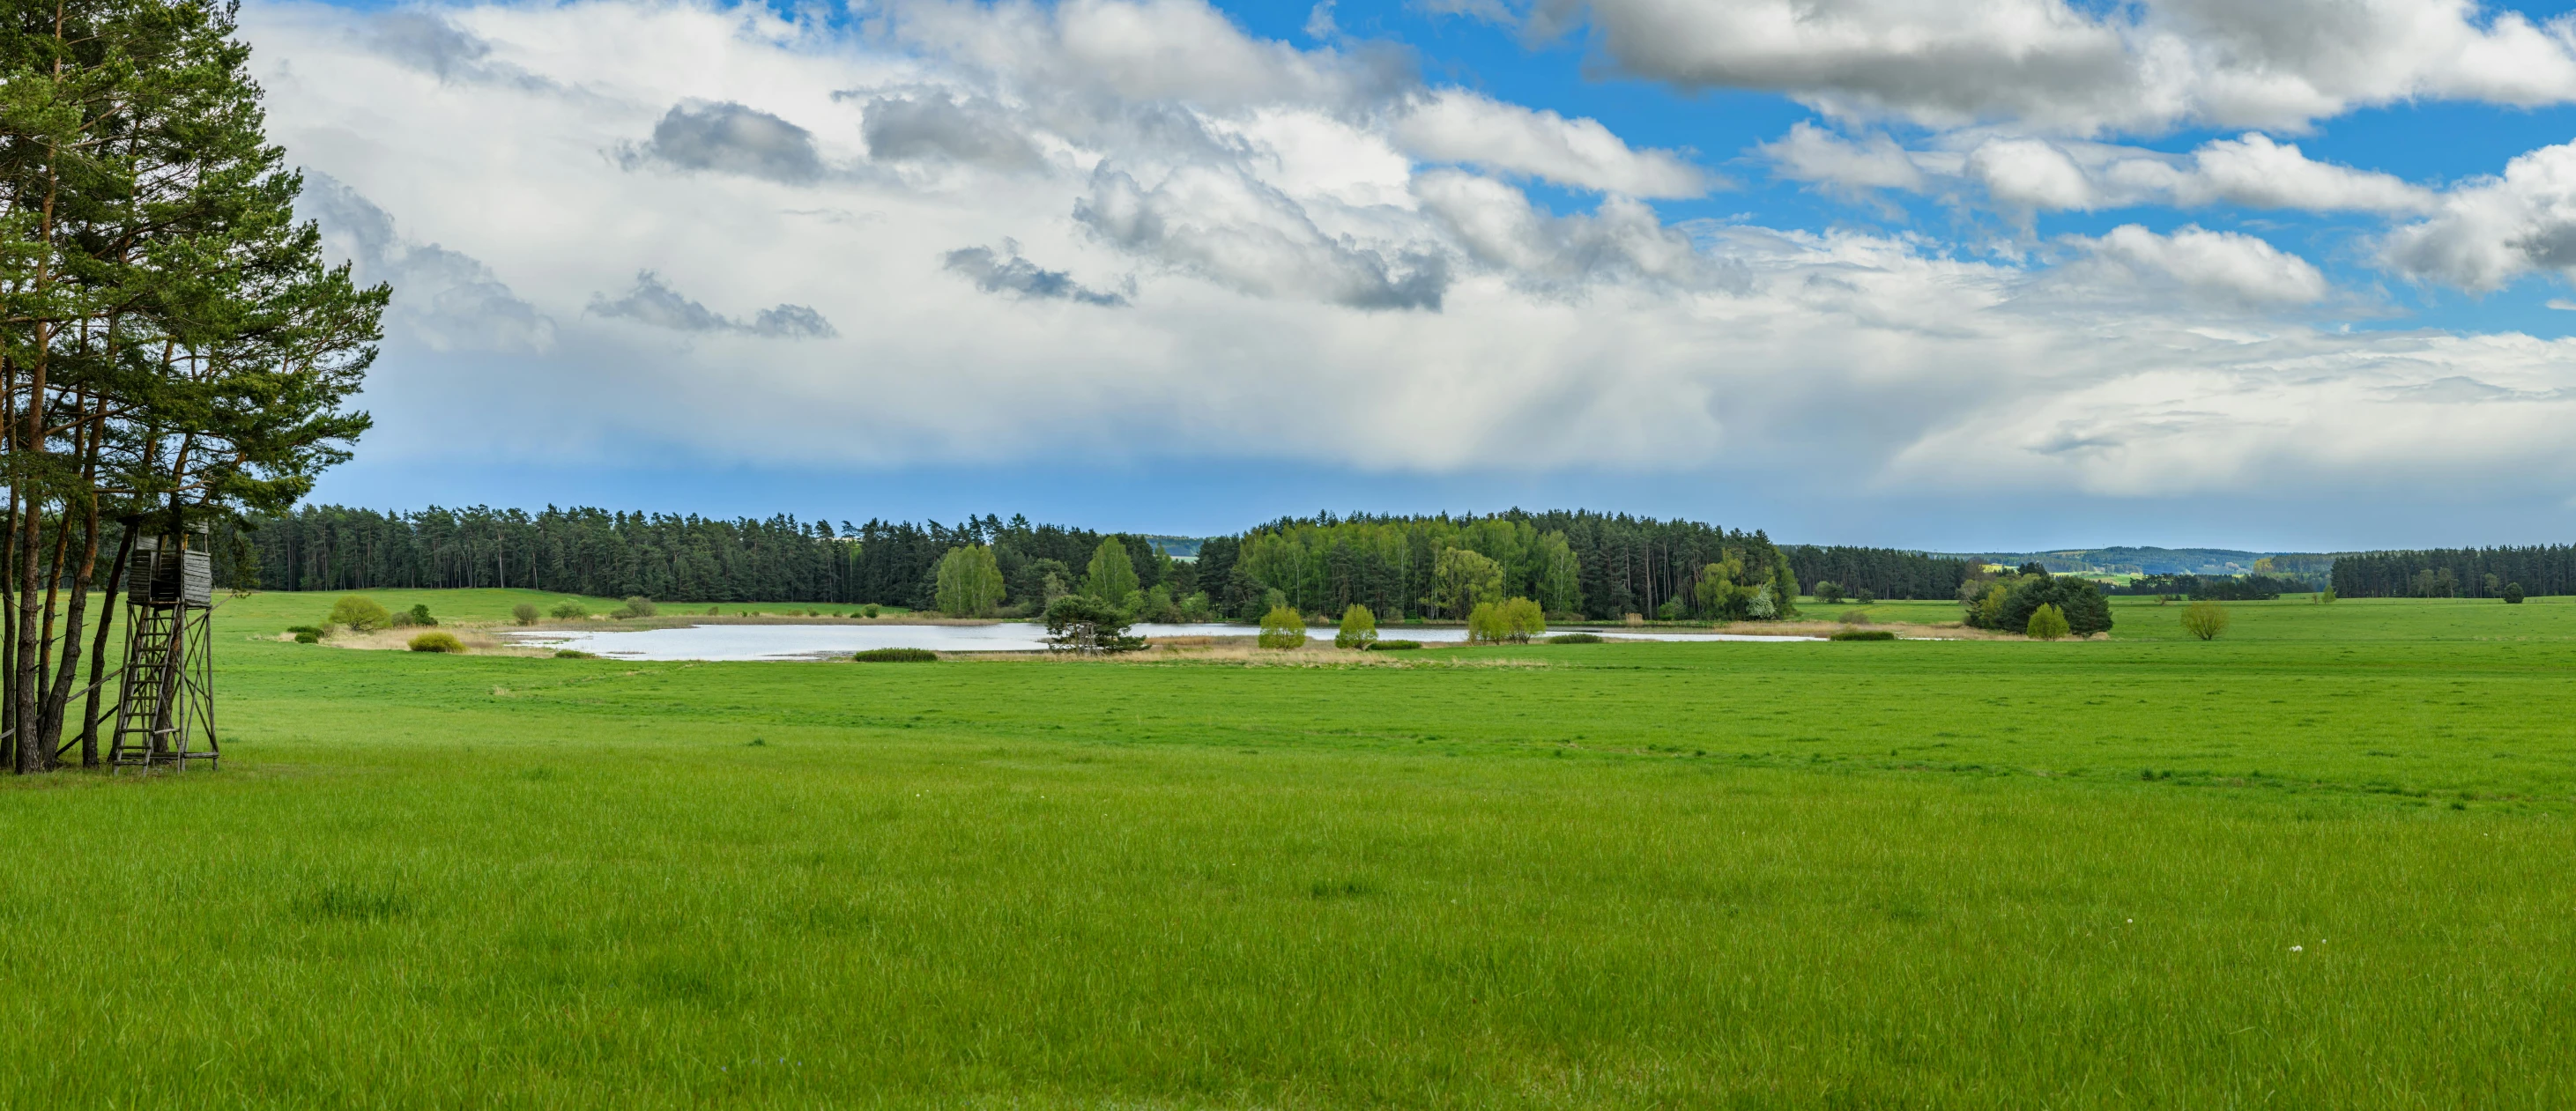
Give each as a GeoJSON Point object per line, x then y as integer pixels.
{"type": "Point", "coordinates": [731, 138]}
{"type": "Point", "coordinates": [1457, 126]}
{"type": "Point", "coordinates": [2087, 69]}
{"type": "Point", "coordinates": [1005, 271]}
{"type": "Point", "coordinates": [2037, 174]}
{"type": "Point", "coordinates": [1243, 233]}
{"type": "Point", "coordinates": [1811, 153]}
{"type": "Point", "coordinates": [1294, 252]}
{"type": "Point", "coordinates": [443, 300]}
{"type": "Point", "coordinates": [2491, 231]}
{"type": "Point", "coordinates": [933, 124]}
{"type": "Point", "coordinates": [2227, 266]}
{"type": "Point", "coordinates": [652, 301]}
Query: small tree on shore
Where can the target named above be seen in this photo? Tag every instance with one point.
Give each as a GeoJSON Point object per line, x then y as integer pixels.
{"type": "Point", "coordinates": [2046, 623]}
{"type": "Point", "coordinates": [969, 582]}
{"type": "Point", "coordinates": [1359, 628]}
{"type": "Point", "coordinates": [2205, 620]}
{"type": "Point", "coordinates": [1282, 628]}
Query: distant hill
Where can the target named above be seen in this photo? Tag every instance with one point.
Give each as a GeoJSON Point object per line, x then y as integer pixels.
{"type": "Point", "coordinates": [2158, 561]}
{"type": "Point", "coordinates": [1177, 547]}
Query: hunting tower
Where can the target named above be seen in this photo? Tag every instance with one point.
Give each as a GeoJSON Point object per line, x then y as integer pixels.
{"type": "Point", "coordinates": [165, 710]}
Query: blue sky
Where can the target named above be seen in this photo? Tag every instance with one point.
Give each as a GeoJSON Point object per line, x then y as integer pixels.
{"type": "Point", "coordinates": [2012, 274]}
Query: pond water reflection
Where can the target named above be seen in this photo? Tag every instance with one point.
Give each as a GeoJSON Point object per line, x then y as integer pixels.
{"type": "Point", "coordinates": [806, 642]}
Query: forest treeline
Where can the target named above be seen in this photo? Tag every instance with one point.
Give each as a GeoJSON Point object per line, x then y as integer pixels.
{"type": "Point", "coordinates": [2456, 572]}
{"type": "Point", "coordinates": [1595, 565]}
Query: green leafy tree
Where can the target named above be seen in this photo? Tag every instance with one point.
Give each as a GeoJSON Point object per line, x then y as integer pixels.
{"type": "Point", "coordinates": [524, 614]}
{"type": "Point", "coordinates": [360, 613]}
{"type": "Point", "coordinates": [1784, 588]}
{"type": "Point", "coordinates": [1460, 579]}
{"type": "Point", "coordinates": [1522, 619]}
{"type": "Point", "coordinates": [2046, 623]}
{"type": "Point", "coordinates": [1282, 628]}
{"type": "Point", "coordinates": [969, 582]}
{"type": "Point", "coordinates": [1560, 579]}
{"type": "Point", "coordinates": [1720, 594]}
{"type": "Point", "coordinates": [1359, 627]}
{"type": "Point", "coordinates": [1111, 576]}
{"type": "Point", "coordinates": [1829, 592]}
{"type": "Point", "coordinates": [420, 615]}
{"type": "Point", "coordinates": [1485, 624]}
{"type": "Point", "coordinates": [2512, 594]}
{"type": "Point", "coordinates": [2205, 620]}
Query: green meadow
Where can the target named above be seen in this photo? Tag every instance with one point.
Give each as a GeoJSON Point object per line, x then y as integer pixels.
{"type": "Point", "coordinates": [2323, 861]}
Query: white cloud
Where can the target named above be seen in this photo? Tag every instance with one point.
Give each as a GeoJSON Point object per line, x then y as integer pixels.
{"type": "Point", "coordinates": [2491, 231]}
{"type": "Point", "coordinates": [1811, 153]}
{"type": "Point", "coordinates": [1457, 126]}
{"type": "Point", "coordinates": [1202, 251]}
{"type": "Point", "coordinates": [2227, 266]}
{"type": "Point", "coordinates": [2032, 174]}
{"type": "Point", "coordinates": [2054, 66]}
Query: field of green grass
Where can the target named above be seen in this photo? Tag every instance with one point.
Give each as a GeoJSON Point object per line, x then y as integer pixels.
{"type": "Point", "coordinates": [2320, 862]}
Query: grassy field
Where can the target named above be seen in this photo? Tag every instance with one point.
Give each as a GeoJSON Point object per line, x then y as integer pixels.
{"type": "Point", "coordinates": [2321, 862]}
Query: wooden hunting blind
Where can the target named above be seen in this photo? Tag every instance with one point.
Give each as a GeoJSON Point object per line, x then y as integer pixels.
{"type": "Point", "coordinates": [165, 708]}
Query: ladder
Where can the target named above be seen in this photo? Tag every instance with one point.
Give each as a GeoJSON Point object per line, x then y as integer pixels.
{"type": "Point", "coordinates": [155, 647]}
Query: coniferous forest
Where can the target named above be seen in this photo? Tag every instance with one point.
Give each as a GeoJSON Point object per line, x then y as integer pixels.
{"type": "Point", "coordinates": [2457, 572]}
{"type": "Point", "coordinates": [1595, 565]}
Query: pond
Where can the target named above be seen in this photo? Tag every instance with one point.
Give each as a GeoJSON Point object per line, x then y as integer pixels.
{"type": "Point", "coordinates": [807, 642]}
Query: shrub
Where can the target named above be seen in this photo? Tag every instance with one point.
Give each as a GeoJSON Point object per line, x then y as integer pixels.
{"type": "Point", "coordinates": [1281, 628]}
{"type": "Point", "coordinates": [2205, 620]}
{"type": "Point", "coordinates": [1854, 617]}
{"type": "Point", "coordinates": [2513, 594]}
{"type": "Point", "coordinates": [316, 630]}
{"type": "Point", "coordinates": [896, 656]}
{"type": "Point", "coordinates": [1515, 621]}
{"type": "Point", "coordinates": [2046, 623]}
{"type": "Point", "coordinates": [1864, 596]}
{"type": "Point", "coordinates": [1862, 634]}
{"type": "Point", "coordinates": [1574, 638]}
{"type": "Point", "coordinates": [437, 642]}
{"type": "Point", "coordinates": [403, 620]}
{"type": "Point", "coordinates": [869, 610]}
{"type": "Point", "coordinates": [1359, 627]}
{"type": "Point", "coordinates": [306, 636]}
{"type": "Point", "coordinates": [573, 654]}
{"type": "Point", "coordinates": [420, 616]}
{"type": "Point", "coordinates": [569, 610]}
{"type": "Point", "coordinates": [634, 607]}
{"type": "Point", "coordinates": [1392, 646]}
{"type": "Point", "coordinates": [1828, 592]}
{"type": "Point", "coordinates": [360, 613]}
{"type": "Point", "coordinates": [524, 614]}
{"type": "Point", "coordinates": [2326, 595]}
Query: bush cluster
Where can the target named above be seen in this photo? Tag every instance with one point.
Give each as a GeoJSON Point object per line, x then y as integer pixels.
{"type": "Point", "coordinates": [524, 614]}
{"type": "Point", "coordinates": [437, 642]}
{"type": "Point", "coordinates": [896, 656]}
{"type": "Point", "coordinates": [1575, 638]}
{"type": "Point", "coordinates": [634, 607]}
{"type": "Point", "coordinates": [1862, 634]}
{"type": "Point", "coordinates": [569, 610]}
{"type": "Point", "coordinates": [1393, 646]}
{"type": "Point", "coordinates": [2005, 603]}
{"type": "Point", "coordinates": [1514, 621]}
